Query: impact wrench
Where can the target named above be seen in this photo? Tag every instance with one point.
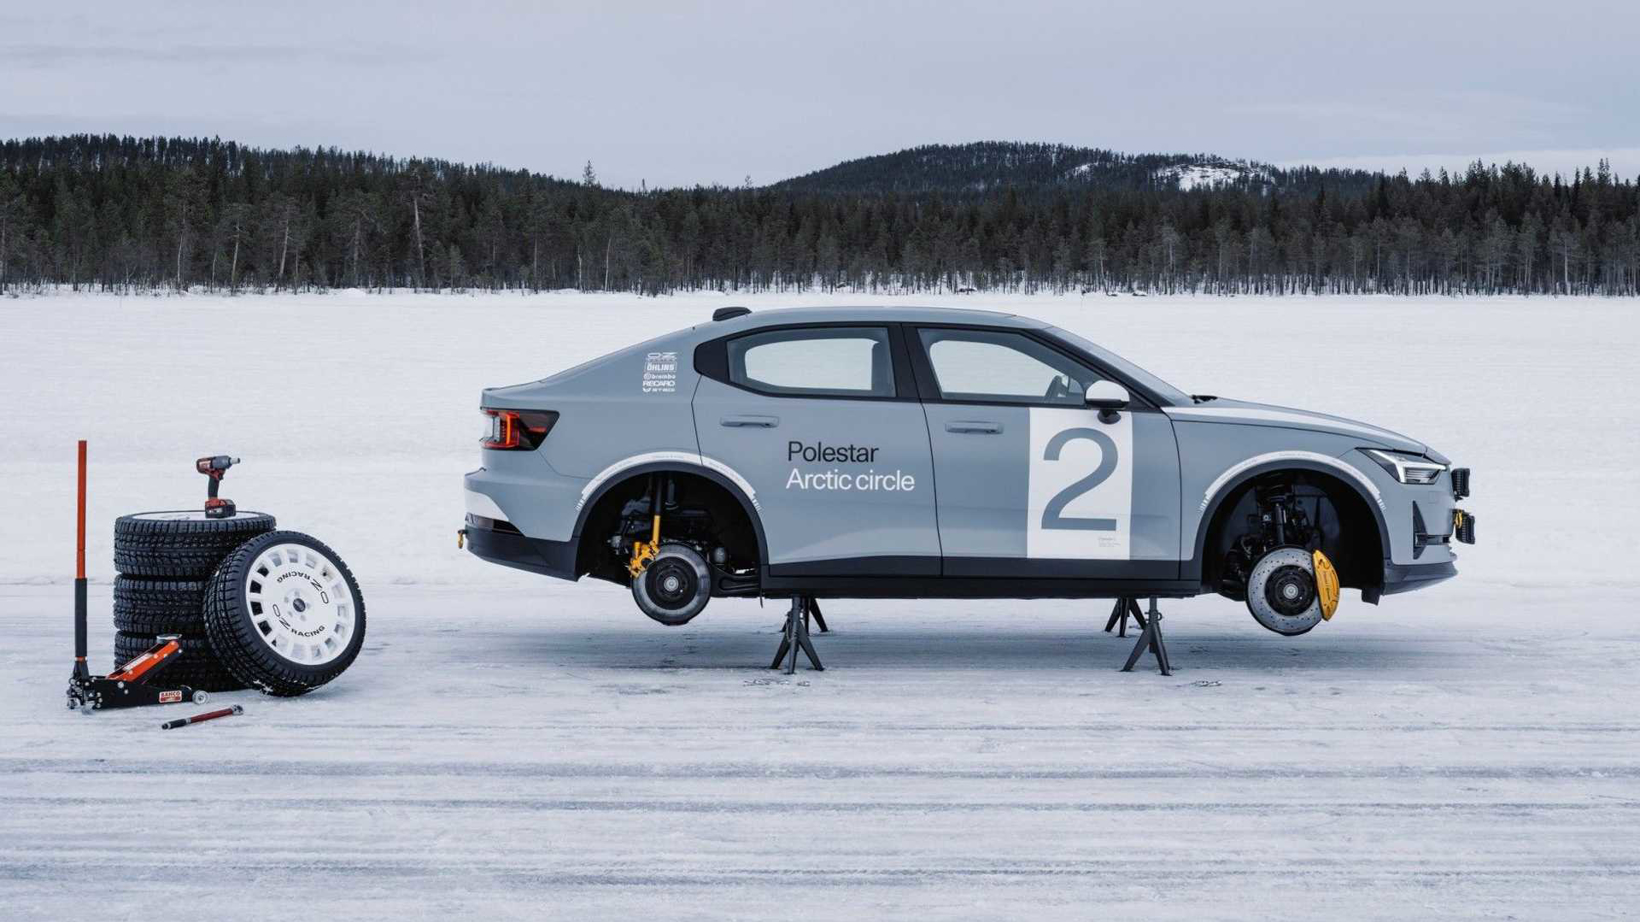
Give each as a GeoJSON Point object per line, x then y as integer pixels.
{"type": "Point", "coordinates": [216, 468]}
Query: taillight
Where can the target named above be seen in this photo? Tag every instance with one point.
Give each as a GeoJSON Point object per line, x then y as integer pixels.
{"type": "Point", "coordinates": [517, 430]}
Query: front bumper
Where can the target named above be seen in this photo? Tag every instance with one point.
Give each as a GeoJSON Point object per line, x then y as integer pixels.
{"type": "Point", "coordinates": [1407, 577]}
{"type": "Point", "coordinates": [1430, 517]}
{"type": "Point", "coordinates": [499, 542]}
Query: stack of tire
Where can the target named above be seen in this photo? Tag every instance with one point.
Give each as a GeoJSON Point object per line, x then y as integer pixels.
{"type": "Point", "coordinates": [181, 573]}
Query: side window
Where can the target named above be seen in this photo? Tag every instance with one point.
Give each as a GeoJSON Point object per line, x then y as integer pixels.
{"type": "Point", "coordinates": [814, 362]}
{"type": "Point", "coordinates": [1001, 366]}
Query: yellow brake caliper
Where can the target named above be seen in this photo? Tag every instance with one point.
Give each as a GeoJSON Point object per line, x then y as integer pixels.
{"type": "Point", "coordinates": [1326, 585]}
{"type": "Point", "coordinates": [644, 551]}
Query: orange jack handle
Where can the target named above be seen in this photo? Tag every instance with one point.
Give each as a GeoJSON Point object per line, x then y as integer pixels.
{"type": "Point", "coordinates": [79, 541]}
{"type": "Point", "coordinates": [80, 670]}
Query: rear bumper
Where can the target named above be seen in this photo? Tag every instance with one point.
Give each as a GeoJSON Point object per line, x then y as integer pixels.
{"type": "Point", "coordinates": [1407, 577]}
{"type": "Point", "coordinates": [506, 546]}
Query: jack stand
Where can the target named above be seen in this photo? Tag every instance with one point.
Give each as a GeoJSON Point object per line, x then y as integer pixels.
{"type": "Point", "coordinates": [1150, 638]}
{"type": "Point", "coordinates": [811, 607]}
{"type": "Point", "coordinates": [796, 637]}
{"type": "Point", "coordinates": [1125, 606]}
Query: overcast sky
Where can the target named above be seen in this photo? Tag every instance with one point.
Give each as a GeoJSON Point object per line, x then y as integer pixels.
{"type": "Point", "coordinates": [679, 92]}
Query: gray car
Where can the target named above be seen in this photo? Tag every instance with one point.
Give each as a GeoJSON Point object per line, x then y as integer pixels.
{"type": "Point", "coordinates": [918, 452]}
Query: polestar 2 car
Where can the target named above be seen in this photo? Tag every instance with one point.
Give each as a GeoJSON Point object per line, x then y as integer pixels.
{"type": "Point", "coordinates": [918, 452]}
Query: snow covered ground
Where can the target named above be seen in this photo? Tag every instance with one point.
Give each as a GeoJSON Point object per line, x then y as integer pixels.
{"type": "Point", "coordinates": [512, 747]}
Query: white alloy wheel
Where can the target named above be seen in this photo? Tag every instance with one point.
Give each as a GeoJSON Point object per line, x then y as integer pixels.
{"type": "Point", "coordinates": [300, 604]}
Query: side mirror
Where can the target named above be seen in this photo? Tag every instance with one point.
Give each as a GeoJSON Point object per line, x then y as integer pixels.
{"type": "Point", "coordinates": [1107, 397]}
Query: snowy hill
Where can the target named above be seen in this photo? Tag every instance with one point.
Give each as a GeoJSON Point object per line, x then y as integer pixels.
{"type": "Point", "coordinates": [987, 165]}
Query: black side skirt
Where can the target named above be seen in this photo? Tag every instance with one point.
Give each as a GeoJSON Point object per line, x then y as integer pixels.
{"type": "Point", "coordinates": [958, 587]}
{"type": "Point", "coordinates": [917, 577]}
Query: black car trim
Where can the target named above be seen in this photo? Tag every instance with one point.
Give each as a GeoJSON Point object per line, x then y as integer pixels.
{"type": "Point", "coordinates": [958, 587]}
{"type": "Point", "coordinates": [1059, 568]}
{"type": "Point", "coordinates": [928, 565]}
{"type": "Point", "coordinates": [883, 566]}
{"type": "Point", "coordinates": [1407, 577]}
{"type": "Point", "coordinates": [510, 549]}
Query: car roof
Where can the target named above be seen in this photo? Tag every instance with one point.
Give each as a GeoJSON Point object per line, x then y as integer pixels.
{"type": "Point", "coordinates": [868, 314]}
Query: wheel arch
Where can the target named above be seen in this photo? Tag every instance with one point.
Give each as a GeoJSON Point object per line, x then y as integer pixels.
{"type": "Point", "coordinates": [1339, 472]}
{"type": "Point", "coordinates": [625, 475]}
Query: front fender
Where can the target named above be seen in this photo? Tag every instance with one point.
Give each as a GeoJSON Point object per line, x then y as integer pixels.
{"type": "Point", "coordinates": [1235, 477]}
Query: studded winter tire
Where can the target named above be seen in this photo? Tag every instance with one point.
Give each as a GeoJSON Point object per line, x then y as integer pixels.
{"type": "Point", "coordinates": [182, 544]}
{"type": "Point", "coordinates": [159, 606]}
{"type": "Point", "coordinates": [196, 666]}
{"type": "Point", "coordinates": [284, 613]}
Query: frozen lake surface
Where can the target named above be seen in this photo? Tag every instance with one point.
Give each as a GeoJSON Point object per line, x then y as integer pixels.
{"type": "Point", "coordinates": [514, 747]}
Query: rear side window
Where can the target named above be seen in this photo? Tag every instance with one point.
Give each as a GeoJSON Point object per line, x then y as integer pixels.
{"type": "Point", "coordinates": [814, 362]}
{"type": "Point", "coordinates": [995, 366]}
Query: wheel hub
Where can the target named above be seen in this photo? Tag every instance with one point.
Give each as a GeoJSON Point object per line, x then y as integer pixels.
{"type": "Point", "coordinates": [671, 582]}
{"type": "Point", "coordinates": [1290, 590]}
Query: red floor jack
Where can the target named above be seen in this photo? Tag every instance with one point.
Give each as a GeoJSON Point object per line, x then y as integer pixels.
{"type": "Point", "coordinates": [130, 684]}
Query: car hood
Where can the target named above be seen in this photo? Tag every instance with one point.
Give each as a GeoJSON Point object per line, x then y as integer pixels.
{"type": "Point", "coordinates": [1223, 410]}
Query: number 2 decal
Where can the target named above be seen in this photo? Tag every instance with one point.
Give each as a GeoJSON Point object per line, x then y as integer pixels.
{"type": "Point", "coordinates": [1079, 491]}
{"type": "Point", "coordinates": [1052, 514]}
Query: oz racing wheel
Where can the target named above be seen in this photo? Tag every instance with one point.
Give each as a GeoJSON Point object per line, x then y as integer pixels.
{"type": "Point", "coordinates": [284, 613]}
{"type": "Point", "coordinates": [675, 586]}
{"type": "Point", "coordinates": [1282, 592]}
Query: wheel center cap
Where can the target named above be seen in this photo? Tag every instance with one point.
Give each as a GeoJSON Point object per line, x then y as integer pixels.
{"type": "Point", "coordinates": [299, 604]}
{"type": "Point", "coordinates": [1290, 591]}
{"type": "Point", "coordinates": [671, 584]}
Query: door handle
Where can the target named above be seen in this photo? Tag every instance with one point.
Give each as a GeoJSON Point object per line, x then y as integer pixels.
{"type": "Point", "coordinates": [972, 425]}
{"type": "Point", "coordinates": [759, 422]}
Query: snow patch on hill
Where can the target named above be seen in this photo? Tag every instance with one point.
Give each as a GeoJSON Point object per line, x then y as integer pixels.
{"type": "Point", "coordinates": [1189, 176]}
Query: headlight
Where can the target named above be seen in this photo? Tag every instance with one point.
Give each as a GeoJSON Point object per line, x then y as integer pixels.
{"type": "Point", "coordinates": [1406, 467]}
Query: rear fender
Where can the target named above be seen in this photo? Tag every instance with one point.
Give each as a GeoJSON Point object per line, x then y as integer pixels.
{"type": "Point", "coordinates": [718, 473]}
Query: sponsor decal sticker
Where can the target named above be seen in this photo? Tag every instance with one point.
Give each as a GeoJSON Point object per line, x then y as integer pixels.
{"type": "Point", "coordinates": [170, 697]}
{"type": "Point", "coordinates": [660, 373]}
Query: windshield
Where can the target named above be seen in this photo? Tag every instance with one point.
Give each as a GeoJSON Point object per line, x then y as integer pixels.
{"type": "Point", "coordinates": [1126, 368]}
